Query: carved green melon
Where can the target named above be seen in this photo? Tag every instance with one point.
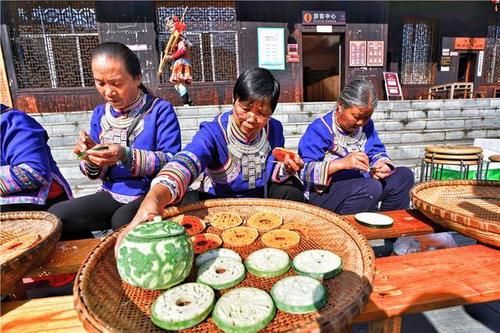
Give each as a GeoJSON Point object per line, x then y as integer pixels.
{"type": "Point", "coordinates": [155, 255]}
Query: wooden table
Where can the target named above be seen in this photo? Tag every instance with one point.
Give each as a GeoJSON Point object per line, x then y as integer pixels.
{"type": "Point", "coordinates": [449, 89]}
{"type": "Point", "coordinates": [402, 285]}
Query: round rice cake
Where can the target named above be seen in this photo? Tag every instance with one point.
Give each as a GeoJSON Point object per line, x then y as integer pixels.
{"type": "Point", "coordinates": [205, 242]}
{"type": "Point", "coordinates": [243, 310]}
{"type": "Point", "coordinates": [221, 273]}
{"type": "Point", "coordinates": [265, 221]}
{"type": "Point", "coordinates": [318, 264]}
{"type": "Point", "coordinates": [183, 306]}
{"type": "Point", "coordinates": [193, 224]}
{"type": "Point", "coordinates": [281, 238]}
{"type": "Point", "coordinates": [299, 294]}
{"type": "Point", "coordinates": [216, 253]}
{"type": "Point", "coordinates": [239, 236]}
{"type": "Point", "coordinates": [225, 220]}
{"type": "Point", "coordinates": [268, 262]}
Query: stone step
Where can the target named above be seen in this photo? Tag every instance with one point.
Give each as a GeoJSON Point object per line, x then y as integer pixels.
{"type": "Point", "coordinates": [190, 126]}
{"type": "Point", "coordinates": [454, 128]}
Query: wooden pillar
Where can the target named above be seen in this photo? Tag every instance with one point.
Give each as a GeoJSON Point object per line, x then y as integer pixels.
{"type": "Point", "coordinates": [5, 96]}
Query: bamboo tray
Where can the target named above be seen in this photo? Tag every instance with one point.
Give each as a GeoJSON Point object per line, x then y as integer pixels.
{"type": "Point", "coordinates": [469, 207]}
{"type": "Point", "coordinates": [106, 304]}
{"type": "Point", "coordinates": [19, 224]}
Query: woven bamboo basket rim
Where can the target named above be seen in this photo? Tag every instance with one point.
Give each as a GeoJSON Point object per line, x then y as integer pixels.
{"type": "Point", "coordinates": [486, 230]}
{"type": "Point", "coordinates": [46, 225]}
{"type": "Point", "coordinates": [334, 318]}
{"type": "Point", "coordinates": [453, 157]}
{"type": "Point", "coordinates": [454, 150]}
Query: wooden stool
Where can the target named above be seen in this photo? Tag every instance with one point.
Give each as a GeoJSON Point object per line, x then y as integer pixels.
{"type": "Point", "coordinates": [436, 157]}
{"type": "Point", "coordinates": [492, 159]}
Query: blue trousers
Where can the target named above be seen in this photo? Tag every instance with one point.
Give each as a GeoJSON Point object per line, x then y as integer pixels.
{"type": "Point", "coordinates": [355, 195]}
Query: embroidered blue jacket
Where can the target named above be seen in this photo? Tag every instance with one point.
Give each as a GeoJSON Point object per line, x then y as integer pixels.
{"type": "Point", "coordinates": [318, 146]}
{"type": "Point", "coordinates": [153, 147]}
{"type": "Point", "coordinates": [209, 152]}
{"type": "Point", "coordinates": [27, 166]}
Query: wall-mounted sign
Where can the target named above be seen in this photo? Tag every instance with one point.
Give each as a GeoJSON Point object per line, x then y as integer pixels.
{"type": "Point", "coordinates": [445, 60]}
{"type": "Point", "coordinates": [480, 59]}
{"type": "Point", "coordinates": [375, 53]}
{"type": "Point", "coordinates": [466, 43]}
{"type": "Point", "coordinates": [392, 86]}
{"type": "Point", "coordinates": [271, 48]}
{"type": "Point", "coordinates": [292, 54]}
{"type": "Point", "coordinates": [357, 53]}
{"type": "Point", "coordinates": [323, 17]}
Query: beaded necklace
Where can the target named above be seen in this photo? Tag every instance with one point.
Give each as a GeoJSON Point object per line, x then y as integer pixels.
{"type": "Point", "coordinates": [252, 156]}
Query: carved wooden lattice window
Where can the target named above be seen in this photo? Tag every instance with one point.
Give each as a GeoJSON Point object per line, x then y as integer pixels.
{"type": "Point", "coordinates": [492, 55]}
{"type": "Point", "coordinates": [51, 43]}
{"type": "Point", "coordinates": [416, 59]}
{"type": "Point", "coordinates": [213, 33]}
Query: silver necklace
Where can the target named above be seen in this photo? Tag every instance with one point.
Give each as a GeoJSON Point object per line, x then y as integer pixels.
{"type": "Point", "coordinates": [252, 156]}
{"type": "Point", "coordinates": [353, 142]}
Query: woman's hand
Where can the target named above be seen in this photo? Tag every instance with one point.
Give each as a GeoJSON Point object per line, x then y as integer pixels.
{"type": "Point", "coordinates": [109, 156]}
{"type": "Point", "coordinates": [293, 165]}
{"type": "Point", "coordinates": [380, 170]}
{"type": "Point", "coordinates": [157, 198]}
{"type": "Point", "coordinates": [356, 160]}
{"type": "Point", "coordinates": [149, 208]}
{"type": "Point", "coordinates": [83, 143]}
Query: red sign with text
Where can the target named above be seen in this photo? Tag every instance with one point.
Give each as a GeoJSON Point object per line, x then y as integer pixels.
{"type": "Point", "coordinates": [392, 86]}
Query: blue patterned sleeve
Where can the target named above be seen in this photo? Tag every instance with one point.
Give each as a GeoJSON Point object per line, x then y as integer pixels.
{"type": "Point", "coordinates": [26, 153]}
{"type": "Point", "coordinates": [188, 164]}
{"type": "Point", "coordinates": [313, 146]}
{"type": "Point", "coordinates": [376, 150]}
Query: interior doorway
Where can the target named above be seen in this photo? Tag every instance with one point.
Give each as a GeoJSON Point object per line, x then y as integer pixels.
{"type": "Point", "coordinates": [466, 67]}
{"type": "Point", "coordinates": [323, 66]}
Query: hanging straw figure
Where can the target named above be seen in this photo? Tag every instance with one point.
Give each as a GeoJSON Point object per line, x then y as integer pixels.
{"type": "Point", "coordinates": [177, 53]}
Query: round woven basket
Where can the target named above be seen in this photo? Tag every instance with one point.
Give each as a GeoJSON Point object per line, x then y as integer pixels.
{"type": "Point", "coordinates": [106, 304]}
{"type": "Point", "coordinates": [467, 206]}
{"type": "Point", "coordinates": [19, 224]}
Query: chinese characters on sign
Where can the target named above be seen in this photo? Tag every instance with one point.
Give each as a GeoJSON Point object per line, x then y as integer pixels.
{"type": "Point", "coordinates": [292, 53]}
{"type": "Point", "coordinates": [318, 17]}
{"type": "Point", "coordinates": [366, 53]}
{"type": "Point", "coordinates": [271, 48]}
{"type": "Point", "coordinates": [357, 53]}
{"type": "Point", "coordinates": [466, 43]}
{"type": "Point", "coordinates": [392, 86]}
{"type": "Point", "coordinates": [375, 51]}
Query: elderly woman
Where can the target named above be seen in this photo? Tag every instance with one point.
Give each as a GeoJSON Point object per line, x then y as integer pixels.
{"type": "Point", "coordinates": [234, 151]}
{"type": "Point", "coordinates": [29, 176]}
{"type": "Point", "coordinates": [347, 169]}
{"type": "Point", "coordinates": [132, 136]}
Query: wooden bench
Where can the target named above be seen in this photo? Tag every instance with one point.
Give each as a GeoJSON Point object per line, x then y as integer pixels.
{"type": "Point", "coordinates": [402, 285]}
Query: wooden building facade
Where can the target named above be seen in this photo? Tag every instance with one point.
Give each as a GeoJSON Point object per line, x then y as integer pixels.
{"type": "Point", "coordinates": [313, 48]}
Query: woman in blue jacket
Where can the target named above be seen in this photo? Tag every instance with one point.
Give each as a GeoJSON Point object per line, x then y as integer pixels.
{"type": "Point", "coordinates": [346, 167]}
{"type": "Point", "coordinates": [132, 136]}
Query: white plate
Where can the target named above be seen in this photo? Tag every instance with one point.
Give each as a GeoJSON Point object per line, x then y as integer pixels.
{"type": "Point", "coordinates": [374, 219]}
